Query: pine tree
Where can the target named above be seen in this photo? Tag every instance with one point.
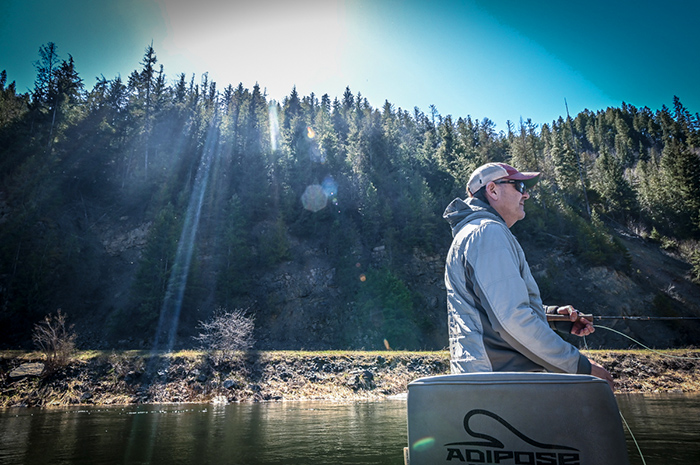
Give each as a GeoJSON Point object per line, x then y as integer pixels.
{"type": "Point", "coordinates": [236, 257]}
{"type": "Point", "coordinates": [623, 143]}
{"type": "Point", "coordinates": [563, 161]}
{"type": "Point", "coordinates": [447, 150]}
{"type": "Point", "coordinates": [69, 94]}
{"type": "Point", "coordinates": [651, 195]}
{"type": "Point", "coordinates": [44, 92]}
{"type": "Point", "coordinates": [615, 194]}
{"type": "Point", "coordinates": [681, 177]}
{"type": "Point", "coordinates": [12, 105]}
{"type": "Point", "coordinates": [253, 188]}
{"type": "Point", "coordinates": [526, 148]}
{"type": "Point", "coordinates": [141, 85]}
{"type": "Point", "coordinates": [154, 271]}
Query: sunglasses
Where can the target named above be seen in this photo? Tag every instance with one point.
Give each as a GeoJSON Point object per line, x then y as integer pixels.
{"type": "Point", "coordinates": [519, 185]}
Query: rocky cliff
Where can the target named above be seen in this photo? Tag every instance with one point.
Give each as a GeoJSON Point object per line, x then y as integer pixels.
{"type": "Point", "coordinates": [301, 303]}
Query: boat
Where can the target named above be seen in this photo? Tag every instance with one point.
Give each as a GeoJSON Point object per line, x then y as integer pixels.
{"type": "Point", "coordinates": [513, 418]}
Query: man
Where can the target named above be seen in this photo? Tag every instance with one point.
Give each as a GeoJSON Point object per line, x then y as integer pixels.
{"type": "Point", "coordinates": [495, 314]}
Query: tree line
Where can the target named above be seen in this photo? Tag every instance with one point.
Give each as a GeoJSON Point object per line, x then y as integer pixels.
{"type": "Point", "coordinates": [333, 171]}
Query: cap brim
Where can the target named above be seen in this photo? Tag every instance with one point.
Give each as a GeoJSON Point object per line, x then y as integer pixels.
{"type": "Point", "coordinates": [528, 178]}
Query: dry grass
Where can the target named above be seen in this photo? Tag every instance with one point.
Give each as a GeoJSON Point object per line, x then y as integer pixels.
{"type": "Point", "coordinates": [110, 378]}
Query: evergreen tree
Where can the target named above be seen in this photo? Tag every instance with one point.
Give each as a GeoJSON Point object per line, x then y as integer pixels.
{"type": "Point", "coordinates": [68, 107]}
{"type": "Point", "coordinates": [651, 194]}
{"type": "Point", "coordinates": [564, 164]}
{"type": "Point", "coordinates": [624, 149]}
{"type": "Point", "coordinates": [254, 184]}
{"type": "Point", "coordinates": [154, 272]}
{"type": "Point", "coordinates": [141, 85]}
{"type": "Point", "coordinates": [385, 174]}
{"type": "Point", "coordinates": [526, 149]}
{"type": "Point", "coordinates": [447, 154]}
{"type": "Point", "coordinates": [44, 93]}
{"type": "Point", "coordinates": [615, 195]}
{"type": "Point", "coordinates": [234, 275]}
{"type": "Point", "coordinates": [14, 133]}
{"type": "Point", "coordinates": [681, 177]}
{"type": "Point", "coordinates": [386, 312]}
{"type": "Point", "coordinates": [12, 105]}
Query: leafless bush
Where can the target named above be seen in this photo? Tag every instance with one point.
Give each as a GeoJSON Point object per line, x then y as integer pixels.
{"type": "Point", "coordinates": [226, 332]}
{"type": "Point", "coordinates": [54, 340]}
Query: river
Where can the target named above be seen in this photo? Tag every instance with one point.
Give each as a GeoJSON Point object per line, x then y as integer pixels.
{"type": "Point", "coordinates": [667, 428]}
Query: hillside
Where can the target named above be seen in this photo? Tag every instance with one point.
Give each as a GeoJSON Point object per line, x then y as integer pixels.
{"type": "Point", "coordinates": [656, 284]}
{"type": "Point", "coordinates": [298, 304]}
{"type": "Point", "coordinates": [142, 207]}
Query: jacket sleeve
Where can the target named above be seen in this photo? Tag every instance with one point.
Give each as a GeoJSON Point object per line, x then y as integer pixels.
{"type": "Point", "coordinates": [514, 313]}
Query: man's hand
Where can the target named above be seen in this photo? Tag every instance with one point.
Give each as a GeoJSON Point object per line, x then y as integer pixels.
{"type": "Point", "coordinates": [599, 372]}
{"type": "Point", "coordinates": [581, 327]}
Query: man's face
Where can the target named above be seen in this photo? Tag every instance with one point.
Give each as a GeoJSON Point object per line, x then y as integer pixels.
{"type": "Point", "coordinates": [511, 203]}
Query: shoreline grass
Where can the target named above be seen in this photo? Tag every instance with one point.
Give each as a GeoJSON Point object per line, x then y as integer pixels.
{"type": "Point", "coordinates": [109, 377]}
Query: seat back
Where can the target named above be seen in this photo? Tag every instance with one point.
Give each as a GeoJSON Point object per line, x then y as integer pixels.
{"type": "Point", "coordinates": [514, 418]}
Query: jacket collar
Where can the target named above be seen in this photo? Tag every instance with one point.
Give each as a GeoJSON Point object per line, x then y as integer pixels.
{"type": "Point", "coordinates": [460, 212]}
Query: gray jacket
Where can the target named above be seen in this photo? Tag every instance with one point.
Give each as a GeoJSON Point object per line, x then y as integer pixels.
{"type": "Point", "coordinates": [495, 314]}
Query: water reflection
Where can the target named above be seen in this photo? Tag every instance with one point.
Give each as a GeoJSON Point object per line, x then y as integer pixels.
{"type": "Point", "coordinates": [666, 426]}
{"type": "Point", "coordinates": [281, 433]}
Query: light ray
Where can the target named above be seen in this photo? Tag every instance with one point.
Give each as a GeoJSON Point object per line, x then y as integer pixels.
{"type": "Point", "coordinates": [274, 125]}
{"type": "Point", "coordinates": [172, 303]}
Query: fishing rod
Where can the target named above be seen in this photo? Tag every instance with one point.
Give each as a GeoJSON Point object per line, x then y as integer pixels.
{"type": "Point", "coordinates": [591, 318]}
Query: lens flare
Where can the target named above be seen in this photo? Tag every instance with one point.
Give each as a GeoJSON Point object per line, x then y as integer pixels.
{"type": "Point", "coordinates": [330, 187]}
{"type": "Point", "coordinates": [423, 444]}
{"type": "Point", "coordinates": [317, 155]}
{"type": "Point", "coordinates": [314, 198]}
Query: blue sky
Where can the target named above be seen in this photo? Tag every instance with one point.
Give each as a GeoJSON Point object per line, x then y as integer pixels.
{"type": "Point", "coordinates": [500, 59]}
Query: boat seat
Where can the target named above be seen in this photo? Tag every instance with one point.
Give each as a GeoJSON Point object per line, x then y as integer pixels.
{"type": "Point", "coordinates": [514, 418]}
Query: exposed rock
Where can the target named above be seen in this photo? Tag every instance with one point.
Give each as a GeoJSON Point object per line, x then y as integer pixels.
{"type": "Point", "coordinates": [132, 376]}
{"type": "Point", "coordinates": [362, 380]}
{"type": "Point", "coordinates": [231, 384]}
{"type": "Point", "coordinates": [27, 370]}
{"type": "Point", "coordinates": [131, 239]}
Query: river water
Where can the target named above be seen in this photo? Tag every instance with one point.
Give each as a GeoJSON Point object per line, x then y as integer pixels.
{"type": "Point", "coordinates": [667, 428]}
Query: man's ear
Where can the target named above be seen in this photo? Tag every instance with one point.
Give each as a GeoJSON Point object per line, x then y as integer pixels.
{"type": "Point", "coordinates": [492, 190]}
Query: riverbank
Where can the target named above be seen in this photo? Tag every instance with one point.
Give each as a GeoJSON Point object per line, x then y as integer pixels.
{"type": "Point", "coordinates": [128, 377]}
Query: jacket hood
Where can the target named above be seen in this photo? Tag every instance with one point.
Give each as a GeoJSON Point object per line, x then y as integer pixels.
{"type": "Point", "coordinates": [459, 212]}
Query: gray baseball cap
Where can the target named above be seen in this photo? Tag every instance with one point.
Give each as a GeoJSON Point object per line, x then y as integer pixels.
{"type": "Point", "coordinates": [495, 171]}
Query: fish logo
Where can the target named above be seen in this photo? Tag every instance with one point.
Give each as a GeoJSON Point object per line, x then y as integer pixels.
{"type": "Point", "coordinates": [491, 450]}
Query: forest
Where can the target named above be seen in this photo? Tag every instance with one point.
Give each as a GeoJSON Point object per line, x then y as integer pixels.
{"type": "Point", "coordinates": [156, 199]}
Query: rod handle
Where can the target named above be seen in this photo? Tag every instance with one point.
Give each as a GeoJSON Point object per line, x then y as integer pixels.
{"type": "Point", "coordinates": [557, 317]}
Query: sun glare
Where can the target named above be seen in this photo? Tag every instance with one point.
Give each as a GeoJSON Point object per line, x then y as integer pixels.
{"type": "Point", "coordinates": [277, 44]}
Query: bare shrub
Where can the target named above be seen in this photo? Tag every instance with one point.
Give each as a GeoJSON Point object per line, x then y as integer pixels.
{"type": "Point", "coordinates": [54, 340]}
{"type": "Point", "coordinates": [226, 332]}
